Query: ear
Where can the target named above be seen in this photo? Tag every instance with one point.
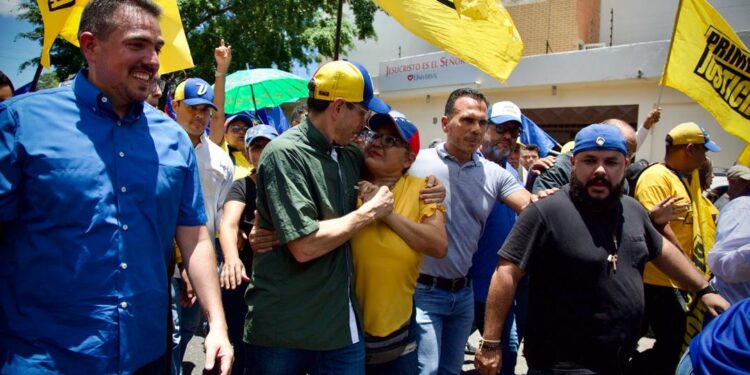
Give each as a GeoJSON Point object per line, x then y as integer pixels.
{"type": "Point", "coordinates": [410, 157]}
{"type": "Point", "coordinates": [572, 160]}
{"type": "Point", "coordinates": [336, 107]}
{"type": "Point", "coordinates": [88, 43]}
{"type": "Point", "coordinates": [444, 123]}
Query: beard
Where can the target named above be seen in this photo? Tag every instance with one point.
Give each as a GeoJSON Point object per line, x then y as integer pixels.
{"type": "Point", "coordinates": [580, 195]}
{"type": "Point", "coordinates": [494, 153]}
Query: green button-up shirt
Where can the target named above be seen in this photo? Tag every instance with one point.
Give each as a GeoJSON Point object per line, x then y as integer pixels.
{"type": "Point", "coordinates": [293, 304]}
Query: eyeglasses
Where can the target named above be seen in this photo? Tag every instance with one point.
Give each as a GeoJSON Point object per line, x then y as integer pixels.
{"type": "Point", "coordinates": [238, 129]}
{"type": "Point", "coordinates": [364, 112]}
{"type": "Point", "coordinates": [512, 129]}
{"type": "Point", "coordinates": [386, 140]}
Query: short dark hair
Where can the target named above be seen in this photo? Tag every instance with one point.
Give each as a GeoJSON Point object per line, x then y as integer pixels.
{"type": "Point", "coordinates": [298, 112]}
{"type": "Point", "coordinates": [97, 15]}
{"type": "Point", "coordinates": [5, 81]}
{"type": "Point", "coordinates": [450, 105]}
{"type": "Point", "coordinates": [317, 105]}
{"type": "Point", "coordinates": [531, 147]}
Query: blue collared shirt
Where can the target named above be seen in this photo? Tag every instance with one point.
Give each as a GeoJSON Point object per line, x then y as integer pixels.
{"type": "Point", "coordinates": [89, 204]}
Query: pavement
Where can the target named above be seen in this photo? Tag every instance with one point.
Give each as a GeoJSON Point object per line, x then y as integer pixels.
{"type": "Point", "coordinates": [195, 357]}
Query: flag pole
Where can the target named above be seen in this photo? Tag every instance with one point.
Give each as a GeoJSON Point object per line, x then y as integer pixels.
{"type": "Point", "coordinates": [37, 75]}
{"type": "Point", "coordinates": [338, 30]}
{"type": "Point", "coordinates": [669, 53]}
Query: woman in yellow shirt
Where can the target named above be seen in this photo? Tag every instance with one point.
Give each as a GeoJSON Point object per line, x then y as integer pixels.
{"type": "Point", "coordinates": [388, 252]}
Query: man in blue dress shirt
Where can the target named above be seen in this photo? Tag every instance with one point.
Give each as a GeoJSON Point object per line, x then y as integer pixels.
{"type": "Point", "coordinates": [94, 185]}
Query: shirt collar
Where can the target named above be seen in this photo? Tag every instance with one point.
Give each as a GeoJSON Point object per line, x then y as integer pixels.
{"type": "Point", "coordinates": [315, 137]}
{"type": "Point", "coordinates": [443, 153]}
{"type": "Point", "coordinates": [94, 98]}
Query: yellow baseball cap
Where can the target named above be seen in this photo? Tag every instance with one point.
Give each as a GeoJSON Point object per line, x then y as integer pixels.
{"type": "Point", "coordinates": [690, 132]}
{"type": "Point", "coordinates": [346, 80]}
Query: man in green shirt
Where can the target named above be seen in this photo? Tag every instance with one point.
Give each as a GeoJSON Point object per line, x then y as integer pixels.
{"type": "Point", "coordinates": [302, 316]}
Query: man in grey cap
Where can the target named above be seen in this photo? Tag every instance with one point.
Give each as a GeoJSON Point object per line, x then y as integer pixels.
{"type": "Point", "coordinates": [729, 259]}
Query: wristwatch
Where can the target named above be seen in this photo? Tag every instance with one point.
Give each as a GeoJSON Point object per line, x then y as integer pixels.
{"type": "Point", "coordinates": [707, 290]}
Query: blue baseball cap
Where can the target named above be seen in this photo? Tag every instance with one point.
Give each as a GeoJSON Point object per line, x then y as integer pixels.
{"type": "Point", "coordinates": [599, 137]}
{"type": "Point", "coordinates": [406, 129]}
{"type": "Point", "coordinates": [242, 116]}
{"type": "Point", "coordinates": [347, 80]}
{"type": "Point", "coordinates": [260, 131]}
{"type": "Point", "coordinates": [195, 91]}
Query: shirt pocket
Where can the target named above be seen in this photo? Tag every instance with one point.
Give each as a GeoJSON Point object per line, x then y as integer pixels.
{"type": "Point", "coordinates": [66, 186]}
{"type": "Point", "coordinates": [634, 245]}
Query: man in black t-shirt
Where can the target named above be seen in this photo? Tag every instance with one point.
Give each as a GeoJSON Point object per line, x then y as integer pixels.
{"type": "Point", "coordinates": [585, 249]}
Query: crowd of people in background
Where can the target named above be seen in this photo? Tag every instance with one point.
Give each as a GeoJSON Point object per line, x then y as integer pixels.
{"type": "Point", "coordinates": [341, 246]}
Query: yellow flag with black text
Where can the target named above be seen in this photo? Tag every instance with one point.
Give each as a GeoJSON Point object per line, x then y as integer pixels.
{"type": "Point", "coordinates": [479, 32]}
{"type": "Point", "coordinates": [708, 62]}
{"type": "Point", "coordinates": [62, 17]}
{"type": "Point", "coordinates": [54, 16]}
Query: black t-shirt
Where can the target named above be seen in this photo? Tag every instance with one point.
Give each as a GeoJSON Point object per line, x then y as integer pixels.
{"type": "Point", "coordinates": [244, 190]}
{"type": "Point", "coordinates": [583, 317]}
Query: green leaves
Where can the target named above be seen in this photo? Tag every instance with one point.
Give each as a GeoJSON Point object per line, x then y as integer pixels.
{"type": "Point", "coordinates": [276, 33]}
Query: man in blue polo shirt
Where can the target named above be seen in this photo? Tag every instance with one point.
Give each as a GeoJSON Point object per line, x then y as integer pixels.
{"type": "Point", "coordinates": [94, 185]}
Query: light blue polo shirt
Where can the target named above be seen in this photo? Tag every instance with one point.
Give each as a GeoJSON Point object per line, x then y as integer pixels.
{"type": "Point", "coordinates": [472, 190]}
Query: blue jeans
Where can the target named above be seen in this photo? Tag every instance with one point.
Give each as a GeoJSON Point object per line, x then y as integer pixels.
{"type": "Point", "coordinates": [263, 360]}
{"type": "Point", "coordinates": [444, 323]}
{"type": "Point", "coordinates": [407, 363]}
{"type": "Point", "coordinates": [176, 362]}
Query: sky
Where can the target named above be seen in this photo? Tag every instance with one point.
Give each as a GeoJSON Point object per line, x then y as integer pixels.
{"type": "Point", "coordinates": [14, 51]}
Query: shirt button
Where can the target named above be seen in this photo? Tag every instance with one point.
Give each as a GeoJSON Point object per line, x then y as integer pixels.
{"type": "Point", "coordinates": [124, 305]}
{"type": "Point", "coordinates": [124, 227]}
{"type": "Point", "coordinates": [123, 189]}
{"type": "Point", "coordinates": [124, 265]}
{"type": "Point", "coordinates": [104, 99]}
{"type": "Point", "coordinates": [119, 123]}
{"type": "Point", "coordinates": [122, 154]}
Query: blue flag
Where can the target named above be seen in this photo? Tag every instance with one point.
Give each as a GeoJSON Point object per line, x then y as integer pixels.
{"type": "Point", "coordinates": [531, 133]}
{"type": "Point", "coordinates": [268, 116]}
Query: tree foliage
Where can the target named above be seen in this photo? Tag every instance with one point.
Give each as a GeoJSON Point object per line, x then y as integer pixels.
{"type": "Point", "coordinates": [277, 33]}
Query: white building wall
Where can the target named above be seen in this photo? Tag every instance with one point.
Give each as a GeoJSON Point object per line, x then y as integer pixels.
{"type": "Point", "coordinates": [626, 74]}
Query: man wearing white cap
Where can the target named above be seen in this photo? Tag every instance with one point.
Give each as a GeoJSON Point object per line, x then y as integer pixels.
{"type": "Point", "coordinates": [729, 259]}
{"type": "Point", "coordinates": [502, 131]}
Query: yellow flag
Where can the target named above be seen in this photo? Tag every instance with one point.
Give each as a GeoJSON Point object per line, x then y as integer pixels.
{"type": "Point", "coordinates": [744, 158]}
{"type": "Point", "coordinates": [709, 63]}
{"type": "Point", "coordinates": [479, 32]}
{"type": "Point", "coordinates": [64, 22]}
{"type": "Point", "coordinates": [54, 15]}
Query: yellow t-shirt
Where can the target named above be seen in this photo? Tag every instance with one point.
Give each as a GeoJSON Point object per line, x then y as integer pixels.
{"type": "Point", "coordinates": [242, 166]}
{"type": "Point", "coordinates": [385, 267]}
{"type": "Point", "coordinates": [656, 183]}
